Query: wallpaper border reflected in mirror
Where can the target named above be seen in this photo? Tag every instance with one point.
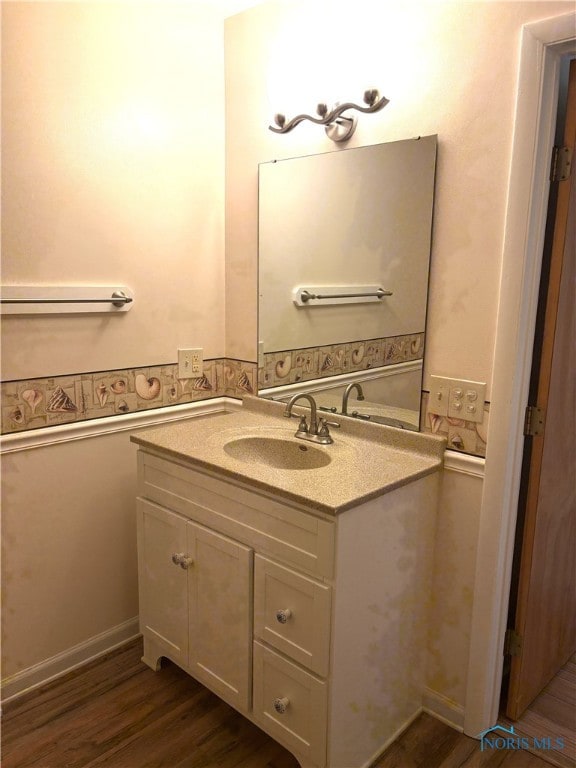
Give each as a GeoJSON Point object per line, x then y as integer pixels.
{"type": "Point", "coordinates": [308, 364]}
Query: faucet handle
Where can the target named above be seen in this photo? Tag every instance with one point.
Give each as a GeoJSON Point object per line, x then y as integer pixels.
{"type": "Point", "coordinates": [302, 427]}
{"type": "Point", "coordinates": [323, 433]}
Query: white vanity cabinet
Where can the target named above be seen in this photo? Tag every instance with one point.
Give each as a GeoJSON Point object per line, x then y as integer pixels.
{"type": "Point", "coordinates": [311, 624]}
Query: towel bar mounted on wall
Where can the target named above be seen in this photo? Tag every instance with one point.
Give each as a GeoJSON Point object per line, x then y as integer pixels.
{"type": "Point", "coordinates": [50, 300]}
{"type": "Point", "coordinates": [339, 294]}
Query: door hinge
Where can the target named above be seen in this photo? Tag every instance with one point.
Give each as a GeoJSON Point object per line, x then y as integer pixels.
{"type": "Point", "coordinates": [561, 163]}
{"type": "Point", "coordinates": [534, 421]}
{"type": "Point", "coordinates": [512, 643]}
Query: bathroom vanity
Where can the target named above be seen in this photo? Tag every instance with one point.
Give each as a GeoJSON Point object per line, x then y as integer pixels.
{"type": "Point", "coordinates": [291, 579]}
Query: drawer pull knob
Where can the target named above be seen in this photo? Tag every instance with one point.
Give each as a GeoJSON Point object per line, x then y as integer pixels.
{"type": "Point", "coordinates": [283, 615]}
{"type": "Point", "coordinates": [281, 705]}
{"type": "Point", "coordinates": [179, 558]}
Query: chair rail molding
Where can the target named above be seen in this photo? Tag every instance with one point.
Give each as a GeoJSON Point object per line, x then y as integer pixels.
{"type": "Point", "coordinates": [464, 463]}
{"type": "Point", "coordinates": [39, 438]}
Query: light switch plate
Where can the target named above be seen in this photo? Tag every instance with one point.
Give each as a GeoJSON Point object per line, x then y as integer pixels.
{"type": "Point", "coordinates": [439, 396]}
{"type": "Point", "coordinates": [457, 398]}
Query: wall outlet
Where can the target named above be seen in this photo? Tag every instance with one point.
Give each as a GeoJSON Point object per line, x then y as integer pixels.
{"type": "Point", "coordinates": [190, 363]}
{"type": "Point", "coordinates": [457, 398]}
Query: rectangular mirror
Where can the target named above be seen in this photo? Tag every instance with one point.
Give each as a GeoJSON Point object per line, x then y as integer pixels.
{"type": "Point", "coordinates": [344, 253]}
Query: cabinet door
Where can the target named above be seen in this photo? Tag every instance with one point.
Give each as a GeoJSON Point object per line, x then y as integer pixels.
{"type": "Point", "coordinates": [163, 582]}
{"type": "Point", "coordinates": [220, 604]}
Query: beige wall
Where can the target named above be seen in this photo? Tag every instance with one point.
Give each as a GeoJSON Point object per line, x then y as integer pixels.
{"type": "Point", "coordinates": [113, 172]}
{"type": "Point", "coordinates": [453, 585]}
{"type": "Point", "coordinates": [448, 68]}
{"type": "Point", "coordinates": [69, 546]}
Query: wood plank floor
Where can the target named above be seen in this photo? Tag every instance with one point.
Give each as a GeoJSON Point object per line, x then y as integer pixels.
{"type": "Point", "coordinates": [116, 712]}
{"type": "Point", "coordinates": [553, 713]}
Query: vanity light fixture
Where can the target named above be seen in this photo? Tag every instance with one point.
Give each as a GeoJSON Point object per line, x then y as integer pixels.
{"type": "Point", "coordinates": [338, 127]}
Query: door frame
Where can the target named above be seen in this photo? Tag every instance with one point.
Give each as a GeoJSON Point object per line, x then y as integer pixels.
{"type": "Point", "coordinates": [543, 44]}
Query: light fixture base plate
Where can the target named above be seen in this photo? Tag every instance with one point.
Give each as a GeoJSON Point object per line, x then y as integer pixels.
{"type": "Point", "coordinates": [342, 128]}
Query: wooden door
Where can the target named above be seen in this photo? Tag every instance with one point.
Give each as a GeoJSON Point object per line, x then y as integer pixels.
{"type": "Point", "coordinates": [220, 604]}
{"type": "Point", "coordinates": [545, 621]}
{"type": "Point", "coordinates": [162, 582]}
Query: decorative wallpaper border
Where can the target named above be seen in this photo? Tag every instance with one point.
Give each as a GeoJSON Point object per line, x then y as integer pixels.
{"type": "Point", "coordinates": [46, 402]}
{"type": "Point", "coordinates": [463, 436]}
{"type": "Point", "coordinates": [295, 365]}
{"type": "Point", "coordinates": [299, 365]}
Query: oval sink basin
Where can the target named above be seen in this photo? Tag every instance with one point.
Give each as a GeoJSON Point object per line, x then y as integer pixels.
{"type": "Point", "coordinates": [277, 452]}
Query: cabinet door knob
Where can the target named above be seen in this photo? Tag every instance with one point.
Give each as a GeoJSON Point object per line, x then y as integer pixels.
{"type": "Point", "coordinates": [179, 558]}
{"type": "Point", "coordinates": [283, 615]}
{"type": "Point", "coordinates": [281, 705]}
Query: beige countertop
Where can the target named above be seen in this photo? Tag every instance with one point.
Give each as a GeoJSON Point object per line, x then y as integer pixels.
{"type": "Point", "coordinates": [365, 461]}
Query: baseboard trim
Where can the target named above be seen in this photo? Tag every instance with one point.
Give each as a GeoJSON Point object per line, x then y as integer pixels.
{"type": "Point", "coordinates": [443, 709]}
{"type": "Point", "coordinates": [56, 666]}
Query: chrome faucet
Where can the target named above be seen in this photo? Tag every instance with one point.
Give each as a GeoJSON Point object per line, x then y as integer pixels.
{"type": "Point", "coordinates": [318, 431]}
{"type": "Point", "coordinates": [349, 388]}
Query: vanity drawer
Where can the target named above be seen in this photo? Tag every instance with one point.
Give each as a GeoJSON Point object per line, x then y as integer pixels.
{"type": "Point", "coordinates": [292, 614]}
{"type": "Point", "coordinates": [290, 704]}
{"type": "Point", "coordinates": [270, 526]}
